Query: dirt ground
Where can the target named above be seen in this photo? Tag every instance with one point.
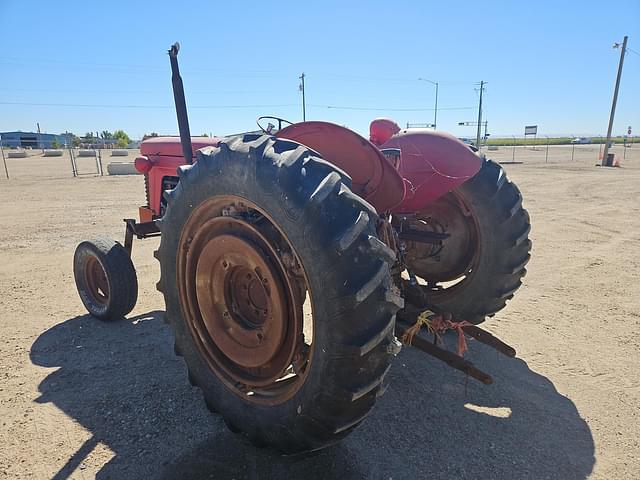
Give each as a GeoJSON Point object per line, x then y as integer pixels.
{"type": "Point", "coordinates": [82, 399]}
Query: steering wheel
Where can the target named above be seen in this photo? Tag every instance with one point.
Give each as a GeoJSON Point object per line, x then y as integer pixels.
{"type": "Point", "coordinates": [270, 128]}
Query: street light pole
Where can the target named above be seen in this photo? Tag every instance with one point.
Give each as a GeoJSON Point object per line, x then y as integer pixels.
{"type": "Point", "coordinates": [615, 100]}
{"type": "Point", "coordinates": [435, 112]}
{"type": "Point", "coordinates": [304, 106]}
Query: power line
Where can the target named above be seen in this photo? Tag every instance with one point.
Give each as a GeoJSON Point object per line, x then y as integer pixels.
{"type": "Point", "coordinates": [86, 105]}
{"type": "Point", "coordinates": [336, 107]}
{"type": "Point", "coordinates": [633, 51]}
{"type": "Point", "coordinates": [73, 90]}
{"type": "Point", "coordinates": [142, 69]}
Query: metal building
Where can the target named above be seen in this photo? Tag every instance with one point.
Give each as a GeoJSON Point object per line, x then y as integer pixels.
{"type": "Point", "coordinates": [33, 139]}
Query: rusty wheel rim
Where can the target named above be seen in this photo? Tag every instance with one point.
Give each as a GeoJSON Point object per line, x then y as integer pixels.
{"type": "Point", "coordinates": [95, 279]}
{"type": "Point", "coordinates": [452, 263]}
{"type": "Point", "coordinates": [242, 304]}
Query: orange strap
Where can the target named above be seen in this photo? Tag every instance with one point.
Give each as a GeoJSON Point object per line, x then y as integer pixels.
{"type": "Point", "coordinates": [437, 325]}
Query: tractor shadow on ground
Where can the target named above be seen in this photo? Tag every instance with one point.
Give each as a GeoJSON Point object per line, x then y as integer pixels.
{"type": "Point", "coordinates": [122, 382]}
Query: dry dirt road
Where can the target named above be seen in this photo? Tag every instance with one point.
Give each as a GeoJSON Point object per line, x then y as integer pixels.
{"type": "Point", "coordinates": [84, 399]}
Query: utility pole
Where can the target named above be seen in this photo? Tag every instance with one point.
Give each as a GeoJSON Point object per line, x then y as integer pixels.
{"type": "Point", "coordinates": [435, 113]}
{"type": "Point", "coordinates": [615, 100]}
{"type": "Point", "coordinates": [304, 107]}
{"type": "Point", "coordinates": [482, 83]}
{"type": "Point", "coordinates": [40, 137]}
{"type": "Point", "coordinates": [6, 171]}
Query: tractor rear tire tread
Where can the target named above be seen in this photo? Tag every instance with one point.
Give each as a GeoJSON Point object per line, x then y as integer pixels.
{"type": "Point", "coordinates": [351, 234]}
{"type": "Point", "coordinates": [504, 230]}
{"type": "Point", "coordinates": [354, 320]}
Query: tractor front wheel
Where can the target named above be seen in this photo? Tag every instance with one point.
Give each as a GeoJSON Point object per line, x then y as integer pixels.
{"type": "Point", "coordinates": [105, 278]}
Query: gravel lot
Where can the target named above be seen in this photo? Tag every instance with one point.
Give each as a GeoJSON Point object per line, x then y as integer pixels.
{"type": "Point", "coordinates": [83, 399]}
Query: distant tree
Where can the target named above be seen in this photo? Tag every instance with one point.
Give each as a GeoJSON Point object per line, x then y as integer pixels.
{"type": "Point", "coordinates": [88, 136]}
{"type": "Point", "coordinates": [122, 143]}
{"type": "Point", "coordinates": [55, 143]}
{"type": "Point", "coordinates": [149, 135]}
{"type": "Point", "coordinates": [121, 137]}
{"type": "Point", "coordinates": [204, 135]}
{"type": "Point", "coordinates": [105, 134]}
{"type": "Point", "coordinates": [75, 141]}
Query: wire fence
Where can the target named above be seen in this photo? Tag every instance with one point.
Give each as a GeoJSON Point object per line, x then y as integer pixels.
{"type": "Point", "coordinates": [574, 153]}
{"type": "Point", "coordinates": [64, 163]}
{"type": "Point", "coordinates": [21, 163]}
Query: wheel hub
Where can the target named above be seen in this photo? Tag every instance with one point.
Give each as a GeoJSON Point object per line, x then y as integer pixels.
{"type": "Point", "coordinates": [455, 257]}
{"type": "Point", "coordinates": [242, 300]}
{"type": "Point", "coordinates": [96, 280]}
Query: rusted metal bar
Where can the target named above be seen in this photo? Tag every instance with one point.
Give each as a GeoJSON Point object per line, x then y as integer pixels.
{"type": "Point", "coordinates": [140, 230]}
{"type": "Point", "coordinates": [128, 238]}
{"type": "Point", "coordinates": [488, 339]}
{"type": "Point", "coordinates": [448, 357]}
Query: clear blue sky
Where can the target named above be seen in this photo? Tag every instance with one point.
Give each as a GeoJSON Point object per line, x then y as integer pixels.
{"type": "Point", "coordinates": [82, 66]}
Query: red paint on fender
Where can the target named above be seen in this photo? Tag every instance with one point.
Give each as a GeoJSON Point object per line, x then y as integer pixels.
{"type": "Point", "coordinates": [432, 164]}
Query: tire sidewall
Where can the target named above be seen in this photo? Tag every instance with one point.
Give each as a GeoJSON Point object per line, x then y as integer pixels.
{"type": "Point", "coordinates": [83, 252]}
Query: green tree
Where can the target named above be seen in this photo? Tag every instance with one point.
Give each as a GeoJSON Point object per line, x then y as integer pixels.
{"type": "Point", "coordinates": [55, 143]}
{"type": "Point", "coordinates": [105, 134]}
{"type": "Point", "coordinates": [121, 137]}
{"type": "Point", "coordinates": [122, 143]}
{"type": "Point", "coordinates": [149, 135]}
{"type": "Point", "coordinates": [75, 141]}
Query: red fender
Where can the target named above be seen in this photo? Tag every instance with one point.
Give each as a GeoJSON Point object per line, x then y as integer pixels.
{"type": "Point", "coordinates": [373, 177]}
{"type": "Point", "coordinates": [432, 164]}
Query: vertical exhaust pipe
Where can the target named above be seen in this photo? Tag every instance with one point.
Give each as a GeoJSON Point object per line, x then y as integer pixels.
{"type": "Point", "coordinates": [181, 104]}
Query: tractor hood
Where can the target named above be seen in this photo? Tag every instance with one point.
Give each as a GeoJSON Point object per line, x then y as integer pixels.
{"type": "Point", "coordinates": [171, 146]}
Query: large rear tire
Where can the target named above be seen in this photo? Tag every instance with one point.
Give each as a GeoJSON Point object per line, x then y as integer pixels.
{"type": "Point", "coordinates": [480, 266]}
{"type": "Point", "coordinates": [256, 206]}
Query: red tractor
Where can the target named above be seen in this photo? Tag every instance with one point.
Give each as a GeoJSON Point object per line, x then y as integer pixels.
{"type": "Point", "coordinates": [286, 253]}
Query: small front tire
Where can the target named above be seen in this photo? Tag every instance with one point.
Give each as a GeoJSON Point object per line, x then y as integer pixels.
{"type": "Point", "coordinates": [105, 278]}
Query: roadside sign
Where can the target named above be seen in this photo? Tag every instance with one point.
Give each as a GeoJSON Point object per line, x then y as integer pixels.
{"type": "Point", "coordinates": [629, 130]}
{"type": "Point", "coordinates": [531, 130]}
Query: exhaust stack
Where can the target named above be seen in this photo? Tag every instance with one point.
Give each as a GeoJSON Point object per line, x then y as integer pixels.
{"type": "Point", "coordinates": [181, 104]}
